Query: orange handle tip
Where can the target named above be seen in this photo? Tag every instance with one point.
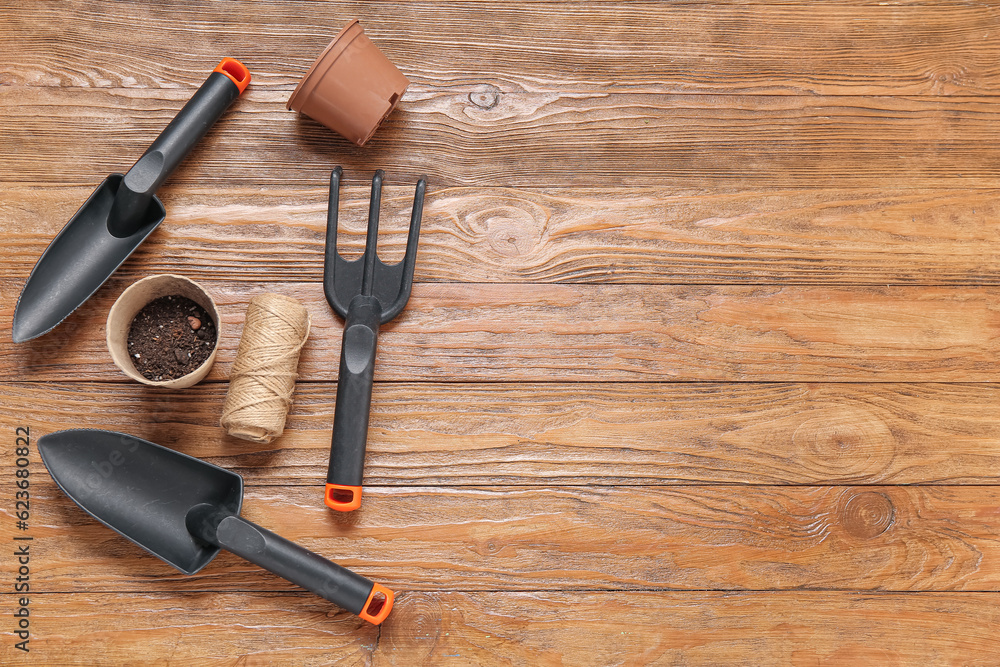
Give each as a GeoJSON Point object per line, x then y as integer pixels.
{"type": "Point", "coordinates": [342, 498]}
{"type": "Point", "coordinates": [236, 71]}
{"type": "Point", "coordinates": [378, 605]}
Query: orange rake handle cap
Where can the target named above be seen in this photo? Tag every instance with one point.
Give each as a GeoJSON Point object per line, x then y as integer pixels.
{"type": "Point", "coordinates": [236, 71]}
{"type": "Point", "coordinates": [342, 497]}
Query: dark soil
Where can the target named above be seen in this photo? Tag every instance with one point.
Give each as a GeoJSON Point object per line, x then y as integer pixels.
{"type": "Point", "coordinates": [170, 337]}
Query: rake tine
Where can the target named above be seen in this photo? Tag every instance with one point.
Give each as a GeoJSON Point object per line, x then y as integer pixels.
{"type": "Point", "coordinates": [410, 257]}
{"type": "Point", "coordinates": [332, 214]}
{"type": "Point", "coordinates": [413, 236]}
{"type": "Point", "coordinates": [371, 240]}
{"type": "Point", "coordinates": [412, 239]}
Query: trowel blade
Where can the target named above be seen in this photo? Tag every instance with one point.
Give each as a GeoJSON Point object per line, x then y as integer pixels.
{"type": "Point", "coordinates": [141, 490]}
{"type": "Point", "coordinates": [77, 262]}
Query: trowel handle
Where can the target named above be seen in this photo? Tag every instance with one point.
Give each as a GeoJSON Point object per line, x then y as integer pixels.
{"type": "Point", "coordinates": [354, 400]}
{"type": "Point", "coordinates": [191, 123]}
{"type": "Point", "coordinates": [309, 570]}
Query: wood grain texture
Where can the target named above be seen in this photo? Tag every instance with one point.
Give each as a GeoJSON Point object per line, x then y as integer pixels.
{"type": "Point", "coordinates": [583, 235]}
{"type": "Point", "coordinates": [888, 538]}
{"type": "Point", "coordinates": [485, 48]}
{"type": "Point", "coordinates": [556, 333]}
{"type": "Point", "coordinates": [527, 629]}
{"type": "Point", "coordinates": [699, 366]}
{"type": "Point", "coordinates": [524, 140]}
{"type": "Point", "coordinates": [516, 434]}
{"type": "Point", "coordinates": [203, 628]}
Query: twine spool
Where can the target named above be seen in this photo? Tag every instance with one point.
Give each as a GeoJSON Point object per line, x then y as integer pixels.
{"type": "Point", "coordinates": [263, 375]}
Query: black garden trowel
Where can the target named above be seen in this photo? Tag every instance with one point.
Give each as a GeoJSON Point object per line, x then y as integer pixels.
{"type": "Point", "coordinates": [184, 510]}
{"type": "Point", "coordinates": [120, 214]}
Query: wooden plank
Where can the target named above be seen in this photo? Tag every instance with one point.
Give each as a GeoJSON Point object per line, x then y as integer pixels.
{"type": "Point", "coordinates": [888, 538]}
{"type": "Point", "coordinates": [485, 48]}
{"type": "Point", "coordinates": [204, 628]}
{"type": "Point", "coordinates": [696, 628]}
{"type": "Point", "coordinates": [78, 136]}
{"type": "Point", "coordinates": [577, 434]}
{"type": "Point", "coordinates": [559, 333]}
{"type": "Point", "coordinates": [580, 235]}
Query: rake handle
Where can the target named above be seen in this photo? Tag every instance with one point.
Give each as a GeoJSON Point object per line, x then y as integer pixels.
{"type": "Point", "coordinates": [353, 408]}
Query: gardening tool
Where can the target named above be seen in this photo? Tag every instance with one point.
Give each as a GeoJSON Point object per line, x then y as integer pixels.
{"type": "Point", "coordinates": [120, 213]}
{"type": "Point", "coordinates": [184, 510]}
{"type": "Point", "coordinates": [366, 293]}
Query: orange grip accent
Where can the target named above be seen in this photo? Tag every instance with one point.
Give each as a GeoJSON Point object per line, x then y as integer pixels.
{"type": "Point", "coordinates": [376, 608]}
{"type": "Point", "coordinates": [342, 498]}
{"type": "Point", "coordinates": [236, 71]}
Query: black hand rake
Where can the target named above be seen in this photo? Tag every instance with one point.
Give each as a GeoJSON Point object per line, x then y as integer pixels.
{"type": "Point", "coordinates": [367, 293]}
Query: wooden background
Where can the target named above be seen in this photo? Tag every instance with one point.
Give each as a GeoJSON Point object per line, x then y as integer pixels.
{"type": "Point", "coordinates": [699, 363]}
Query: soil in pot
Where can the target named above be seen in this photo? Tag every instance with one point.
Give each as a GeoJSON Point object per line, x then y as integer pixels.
{"type": "Point", "coordinates": [170, 337]}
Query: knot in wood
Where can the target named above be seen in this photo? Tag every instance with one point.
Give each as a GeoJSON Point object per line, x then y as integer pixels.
{"type": "Point", "coordinates": [843, 443]}
{"type": "Point", "coordinates": [486, 98]}
{"type": "Point", "coordinates": [512, 231]}
{"type": "Point", "coordinates": [948, 73]}
{"type": "Point", "coordinates": [947, 77]}
{"type": "Point", "coordinates": [868, 515]}
{"type": "Point", "coordinates": [422, 615]}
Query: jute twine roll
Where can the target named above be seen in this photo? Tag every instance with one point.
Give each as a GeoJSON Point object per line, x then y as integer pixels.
{"type": "Point", "coordinates": [263, 375]}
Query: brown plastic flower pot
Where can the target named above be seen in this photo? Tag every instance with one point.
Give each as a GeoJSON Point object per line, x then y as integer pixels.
{"type": "Point", "coordinates": [351, 87]}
